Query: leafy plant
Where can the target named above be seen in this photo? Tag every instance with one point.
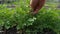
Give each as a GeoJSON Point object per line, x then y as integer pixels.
{"type": "Point", "coordinates": [47, 18]}
{"type": "Point", "coordinates": [20, 17]}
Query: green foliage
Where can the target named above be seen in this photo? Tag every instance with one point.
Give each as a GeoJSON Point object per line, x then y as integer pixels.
{"type": "Point", "coordinates": [20, 16]}
{"type": "Point", "coordinates": [11, 17]}
{"type": "Point", "coordinates": [46, 18]}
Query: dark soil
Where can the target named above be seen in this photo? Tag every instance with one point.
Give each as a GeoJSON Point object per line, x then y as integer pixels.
{"type": "Point", "coordinates": [48, 31]}
{"type": "Point", "coordinates": [13, 30]}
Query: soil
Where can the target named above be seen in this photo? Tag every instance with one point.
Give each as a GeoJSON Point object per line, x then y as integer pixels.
{"type": "Point", "coordinates": [13, 30]}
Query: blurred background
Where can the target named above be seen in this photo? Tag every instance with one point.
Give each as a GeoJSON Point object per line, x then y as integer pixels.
{"type": "Point", "coordinates": [50, 3]}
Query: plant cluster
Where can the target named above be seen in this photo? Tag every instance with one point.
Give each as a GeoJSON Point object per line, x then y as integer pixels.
{"type": "Point", "coordinates": [20, 17]}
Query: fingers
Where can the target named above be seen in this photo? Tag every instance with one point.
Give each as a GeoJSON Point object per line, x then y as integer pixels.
{"type": "Point", "coordinates": [36, 5]}
{"type": "Point", "coordinates": [33, 3]}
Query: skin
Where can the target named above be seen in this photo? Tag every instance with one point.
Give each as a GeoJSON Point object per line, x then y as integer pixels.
{"type": "Point", "coordinates": [36, 5]}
